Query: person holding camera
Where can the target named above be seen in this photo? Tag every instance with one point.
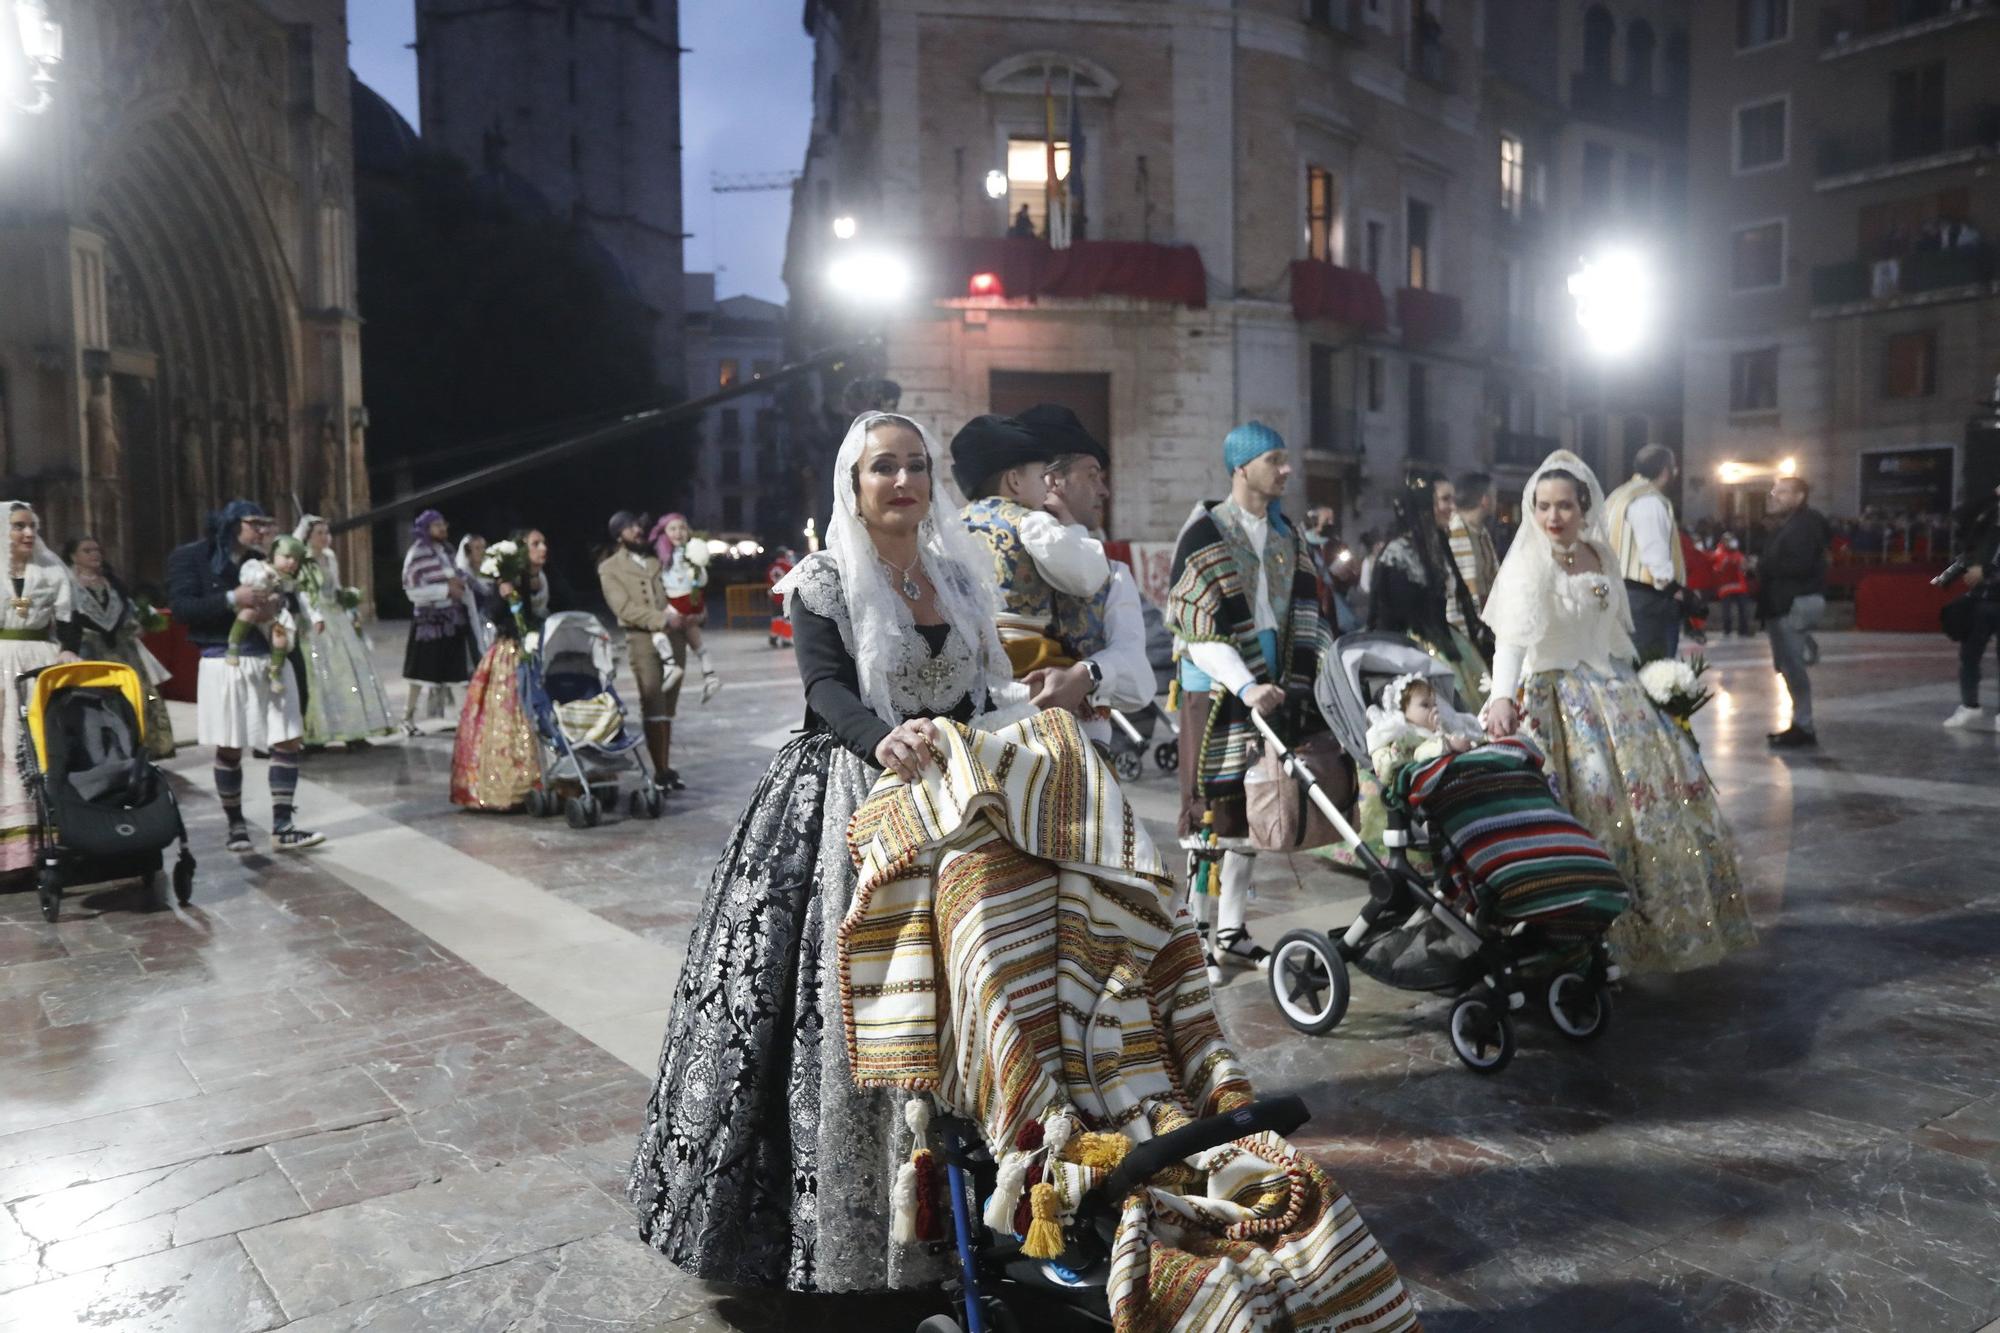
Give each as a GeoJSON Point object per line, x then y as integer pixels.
{"type": "Point", "coordinates": [1981, 619]}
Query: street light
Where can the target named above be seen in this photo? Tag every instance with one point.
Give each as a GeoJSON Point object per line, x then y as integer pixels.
{"type": "Point", "coordinates": [870, 276]}
{"type": "Point", "coordinates": [39, 44]}
{"type": "Point", "coordinates": [1614, 302]}
{"type": "Point", "coordinates": [844, 227]}
{"type": "Point", "coordinates": [996, 184]}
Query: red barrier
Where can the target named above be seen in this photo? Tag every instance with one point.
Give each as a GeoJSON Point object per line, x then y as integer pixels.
{"type": "Point", "coordinates": [178, 653]}
{"type": "Point", "coordinates": [1903, 602]}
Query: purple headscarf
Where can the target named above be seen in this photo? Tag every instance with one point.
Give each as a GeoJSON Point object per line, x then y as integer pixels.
{"type": "Point", "coordinates": [662, 545]}
{"type": "Point", "coordinates": [420, 526]}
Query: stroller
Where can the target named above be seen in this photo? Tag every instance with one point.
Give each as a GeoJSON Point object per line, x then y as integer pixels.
{"type": "Point", "coordinates": [103, 810]}
{"type": "Point", "coordinates": [995, 1281]}
{"type": "Point", "coordinates": [1131, 735]}
{"type": "Point", "coordinates": [1468, 926]}
{"type": "Point", "coordinates": [569, 687]}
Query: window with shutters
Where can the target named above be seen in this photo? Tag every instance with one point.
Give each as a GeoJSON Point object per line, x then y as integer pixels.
{"type": "Point", "coordinates": [1513, 175]}
{"type": "Point", "coordinates": [1322, 215]}
{"type": "Point", "coordinates": [1909, 364]}
{"type": "Point", "coordinates": [1760, 135]}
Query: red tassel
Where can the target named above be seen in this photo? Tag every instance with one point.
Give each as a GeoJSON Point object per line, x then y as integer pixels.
{"type": "Point", "coordinates": [1030, 1137]}
{"type": "Point", "coordinates": [1024, 1215]}
{"type": "Point", "coordinates": [927, 1196]}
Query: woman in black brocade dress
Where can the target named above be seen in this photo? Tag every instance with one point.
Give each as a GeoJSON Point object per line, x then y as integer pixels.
{"type": "Point", "coordinates": [760, 1163]}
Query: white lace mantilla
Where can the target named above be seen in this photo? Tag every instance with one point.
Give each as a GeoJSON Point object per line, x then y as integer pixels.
{"type": "Point", "coordinates": [920, 684]}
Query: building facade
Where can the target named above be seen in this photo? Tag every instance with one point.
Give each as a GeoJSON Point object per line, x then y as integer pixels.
{"type": "Point", "coordinates": [177, 261]}
{"type": "Point", "coordinates": [581, 101]}
{"type": "Point", "coordinates": [742, 472]}
{"type": "Point", "coordinates": [1848, 316]}
{"type": "Point", "coordinates": [1336, 216]}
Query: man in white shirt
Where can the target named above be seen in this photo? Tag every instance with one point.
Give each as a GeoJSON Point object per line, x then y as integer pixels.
{"type": "Point", "coordinates": [1105, 632]}
{"type": "Point", "coordinates": [998, 464]}
{"type": "Point", "coordinates": [1647, 545]}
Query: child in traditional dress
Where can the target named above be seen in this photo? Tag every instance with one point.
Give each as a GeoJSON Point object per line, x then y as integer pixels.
{"type": "Point", "coordinates": [1413, 724]}
{"type": "Point", "coordinates": [684, 570]}
{"type": "Point", "coordinates": [278, 575]}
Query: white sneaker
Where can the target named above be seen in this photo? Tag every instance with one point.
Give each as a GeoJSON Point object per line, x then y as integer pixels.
{"type": "Point", "coordinates": [670, 675]}
{"type": "Point", "coordinates": [1968, 719]}
{"type": "Point", "coordinates": [710, 684]}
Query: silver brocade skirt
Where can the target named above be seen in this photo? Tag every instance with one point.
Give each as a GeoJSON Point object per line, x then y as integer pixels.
{"type": "Point", "coordinates": [760, 1163]}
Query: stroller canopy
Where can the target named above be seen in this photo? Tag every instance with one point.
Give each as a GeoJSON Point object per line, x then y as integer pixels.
{"type": "Point", "coordinates": [575, 643]}
{"type": "Point", "coordinates": [1352, 675]}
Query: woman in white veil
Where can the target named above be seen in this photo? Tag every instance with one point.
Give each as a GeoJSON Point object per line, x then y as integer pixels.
{"type": "Point", "coordinates": [760, 1164]}
{"type": "Point", "coordinates": [1563, 675]}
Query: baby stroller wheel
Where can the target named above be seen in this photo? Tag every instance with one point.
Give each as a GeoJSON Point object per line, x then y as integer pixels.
{"type": "Point", "coordinates": [1126, 764]}
{"type": "Point", "coordinates": [538, 803]}
{"type": "Point", "coordinates": [652, 802]}
{"type": "Point", "coordinates": [582, 811]}
{"type": "Point", "coordinates": [1309, 982]}
{"type": "Point", "coordinates": [156, 889]}
{"type": "Point", "coordinates": [48, 887]}
{"type": "Point", "coordinates": [184, 878]}
{"type": "Point", "coordinates": [939, 1323]}
{"type": "Point", "coordinates": [1580, 1009]}
{"type": "Point", "coordinates": [1167, 754]}
{"type": "Point", "coordinates": [1482, 1034]}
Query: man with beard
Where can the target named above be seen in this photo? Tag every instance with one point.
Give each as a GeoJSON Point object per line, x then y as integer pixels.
{"type": "Point", "coordinates": [236, 704]}
{"type": "Point", "coordinates": [654, 635]}
{"type": "Point", "coordinates": [1106, 631]}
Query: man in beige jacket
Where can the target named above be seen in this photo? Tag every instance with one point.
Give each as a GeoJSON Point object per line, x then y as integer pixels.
{"type": "Point", "coordinates": [630, 578]}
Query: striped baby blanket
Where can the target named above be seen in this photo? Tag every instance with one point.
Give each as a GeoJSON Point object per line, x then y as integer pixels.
{"type": "Point", "coordinates": [1016, 947]}
{"type": "Point", "coordinates": [1512, 842]}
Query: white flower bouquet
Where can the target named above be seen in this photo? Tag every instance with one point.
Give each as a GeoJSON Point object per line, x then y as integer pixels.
{"type": "Point", "coordinates": [1674, 685]}
{"type": "Point", "coordinates": [697, 551]}
{"type": "Point", "coordinates": [507, 563]}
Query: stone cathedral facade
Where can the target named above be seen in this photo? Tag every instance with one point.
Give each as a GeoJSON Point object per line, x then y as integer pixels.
{"type": "Point", "coordinates": [177, 276]}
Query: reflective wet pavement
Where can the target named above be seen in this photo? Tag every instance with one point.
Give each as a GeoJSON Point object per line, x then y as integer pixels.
{"type": "Point", "coordinates": [393, 1084]}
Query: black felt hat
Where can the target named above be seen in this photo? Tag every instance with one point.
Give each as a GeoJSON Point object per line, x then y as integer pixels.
{"type": "Point", "coordinates": [990, 444]}
{"type": "Point", "coordinates": [1059, 429]}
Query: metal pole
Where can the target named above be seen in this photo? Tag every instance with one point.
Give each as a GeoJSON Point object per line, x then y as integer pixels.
{"type": "Point", "coordinates": [637, 423]}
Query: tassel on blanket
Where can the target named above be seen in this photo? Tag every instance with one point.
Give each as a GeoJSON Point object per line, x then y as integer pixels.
{"type": "Point", "coordinates": [913, 1201]}
{"type": "Point", "coordinates": [1045, 1237]}
{"type": "Point", "coordinates": [1008, 1184]}
{"type": "Point", "coordinates": [1100, 1152]}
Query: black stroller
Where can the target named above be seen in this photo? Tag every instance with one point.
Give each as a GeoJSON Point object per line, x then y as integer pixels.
{"type": "Point", "coordinates": [103, 811]}
{"type": "Point", "coordinates": [1420, 929]}
{"type": "Point", "coordinates": [1133, 734]}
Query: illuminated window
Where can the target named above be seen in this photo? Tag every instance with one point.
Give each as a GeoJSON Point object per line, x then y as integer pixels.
{"type": "Point", "coordinates": [1028, 179]}
{"type": "Point", "coordinates": [1513, 175]}
{"type": "Point", "coordinates": [726, 372]}
{"type": "Point", "coordinates": [1417, 245]}
{"type": "Point", "coordinates": [1322, 215]}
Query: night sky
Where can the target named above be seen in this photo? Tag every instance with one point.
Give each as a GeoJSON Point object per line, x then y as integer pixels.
{"type": "Point", "coordinates": [746, 106]}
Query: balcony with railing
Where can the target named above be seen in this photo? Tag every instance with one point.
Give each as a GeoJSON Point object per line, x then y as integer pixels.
{"type": "Point", "coordinates": [1914, 274]}
{"type": "Point", "coordinates": [1847, 29]}
{"type": "Point", "coordinates": [1917, 145]}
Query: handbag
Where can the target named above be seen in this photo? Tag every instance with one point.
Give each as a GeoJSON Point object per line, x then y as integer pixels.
{"type": "Point", "coordinates": [1281, 817]}
{"type": "Point", "coordinates": [1955, 618]}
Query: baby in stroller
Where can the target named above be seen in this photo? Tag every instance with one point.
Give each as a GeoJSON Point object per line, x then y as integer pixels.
{"type": "Point", "coordinates": [1414, 724]}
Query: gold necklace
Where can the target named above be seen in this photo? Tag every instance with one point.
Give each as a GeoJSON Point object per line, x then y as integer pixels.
{"type": "Point", "coordinates": [1567, 554]}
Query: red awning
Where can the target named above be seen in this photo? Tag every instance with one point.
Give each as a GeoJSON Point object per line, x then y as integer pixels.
{"type": "Point", "coordinates": [1327, 291]}
{"type": "Point", "coordinates": [1428, 317]}
{"type": "Point", "coordinates": [1028, 269]}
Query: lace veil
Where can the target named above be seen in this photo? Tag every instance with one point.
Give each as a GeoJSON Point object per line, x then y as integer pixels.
{"type": "Point", "coordinates": [960, 571]}
{"type": "Point", "coordinates": [1524, 593]}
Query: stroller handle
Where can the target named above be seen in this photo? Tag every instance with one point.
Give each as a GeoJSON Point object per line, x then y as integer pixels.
{"type": "Point", "coordinates": [1278, 1115]}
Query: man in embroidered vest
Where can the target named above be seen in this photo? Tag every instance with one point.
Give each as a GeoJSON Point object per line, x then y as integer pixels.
{"type": "Point", "coordinates": [998, 463]}
{"type": "Point", "coordinates": [1244, 601]}
{"type": "Point", "coordinates": [1647, 546]}
{"type": "Point", "coordinates": [1472, 538]}
{"type": "Point", "coordinates": [1105, 633]}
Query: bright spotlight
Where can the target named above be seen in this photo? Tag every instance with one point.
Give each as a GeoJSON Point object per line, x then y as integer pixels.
{"type": "Point", "coordinates": [1788, 467]}
{"type": "Point", "coordinates": [1729, 474]}
{"type": "Point", "coordinates": [717, 547]}
{"type": "Point", "coordinates": [1614, 301]}
{"type": "Point", "coordinates": [843, 227]}
{"type": "Point", "coordinates": [871, 275]}
{"type": "Point", "coordinates": [996, 184]}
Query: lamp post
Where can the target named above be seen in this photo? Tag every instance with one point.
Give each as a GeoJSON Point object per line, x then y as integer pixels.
{"type": "Point", "coordinates": [29, 52]}
{"type": "Point", "coordinates": [1615, 317]}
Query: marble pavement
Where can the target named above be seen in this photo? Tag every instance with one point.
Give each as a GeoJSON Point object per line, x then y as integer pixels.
{"type": "Point", "coordinates": [393, 1085]}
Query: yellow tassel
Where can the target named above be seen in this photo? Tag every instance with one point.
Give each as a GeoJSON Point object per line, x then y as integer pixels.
{"type": "Point", "coordinates": [1100, 1152]}
{"type": "Point", "coordinates": [1045, 1238]}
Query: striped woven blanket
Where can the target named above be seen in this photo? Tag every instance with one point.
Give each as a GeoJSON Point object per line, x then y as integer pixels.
{"type": "Point", "coordinates": [1015, 947]}
{"type": "Point", "coordinates": [1512, 844]}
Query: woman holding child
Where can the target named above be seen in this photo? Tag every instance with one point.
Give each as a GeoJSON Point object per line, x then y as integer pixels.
{"type": "Point", "coordinates": [1563, 674]}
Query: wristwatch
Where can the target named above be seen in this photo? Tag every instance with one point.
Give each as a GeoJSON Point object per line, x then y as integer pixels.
{"type": "Point", "coordinates": [1096, 677]}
